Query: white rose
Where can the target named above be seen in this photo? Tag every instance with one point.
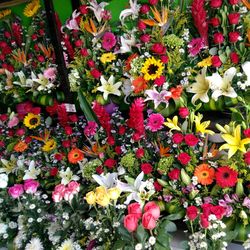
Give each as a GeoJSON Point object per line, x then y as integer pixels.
{"type": "Point", "coordinates": [3, 180]}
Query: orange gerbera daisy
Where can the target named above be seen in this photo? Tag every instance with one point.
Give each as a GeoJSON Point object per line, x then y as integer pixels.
{"type": "Point", "coordinates": [176, 92]}
{"type": "Point", "coordinates": [139, 84]}
{"type": "Point", "coordinates": [129, 60]}
{"type": "Point", "coordinates": [205, 174]}
{"type": "Point", "coordinates": [75, 155]}
{"type": "Point", "coordinates": [20, 146]}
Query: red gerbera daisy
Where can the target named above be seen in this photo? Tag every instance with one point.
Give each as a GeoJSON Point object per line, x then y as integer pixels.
{"type": "Point", "coordinates": [226, 177]}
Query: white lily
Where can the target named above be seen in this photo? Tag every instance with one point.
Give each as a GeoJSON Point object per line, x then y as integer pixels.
{"type": "Point", "coordinates": [67, 176]}
{"type": "Point", "coordinates": [200, 88]}
{"type": "Point", "coordinates": [72, 23]}
{"type": "Point", "coordinates": [10, 166]}
{"type": "Point", "coordinates": [132, 11]}
{"type": "Point", "coordinates": [32, 172]}
{"type": "Point", "coordinates": [222, 86]}
{"type": "Point", "coordinates": [109, 87]}
{"type": "Point", "coordinates": [108, 180]}
{"type": "Point", "coordinates": [157, 97]}
{"type": "Point", "coordinates": [42, 80]}
{"type": "Point", "coordinates": [97, 9]}
{"type": "Point", "coordinates": [4, 180]}
{"type": "Point", "coordinates": [126, 43]}
{"type": "Point", "coordinates": [127, 89]}
{"type": "Point", "coordinates": [23, 81]}
{"type": "Point", "coordinates": [246, 68]}
{"type": "Point", "coordinates": [137, 190]}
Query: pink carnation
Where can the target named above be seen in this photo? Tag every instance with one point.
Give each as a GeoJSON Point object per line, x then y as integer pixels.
{"type": "Point", "coordinates": [108, 41]}
{"type": "Point", "coordinates": [30, 186]}
{"type": "Point", "coordinates": [155, 122]}
{"type": "Point", "coordinates": [90, 129]}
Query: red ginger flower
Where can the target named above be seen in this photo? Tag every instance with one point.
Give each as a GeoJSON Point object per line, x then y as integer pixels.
{"type": "Point", "coordinates": [136, 119]}
{"type": "Point", "coordinates": [103, 117]}
{"type": "Point", "coordinates": [17, 33]}
{"type": "Point", "coordinates": [200, 18]}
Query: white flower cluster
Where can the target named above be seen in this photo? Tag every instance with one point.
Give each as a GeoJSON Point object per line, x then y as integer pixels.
{"type": "Point", "coordinates": [74, 80]}
{"type": "Point", "coordinates": [197, 241]}
{"type": "Point", "coordinates": [246, 244]}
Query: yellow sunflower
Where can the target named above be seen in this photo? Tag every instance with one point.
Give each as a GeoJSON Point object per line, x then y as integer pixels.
{"type": "Point", "coordinates": [5, 13]}
{"type": "Point", "coordinates": [32, 8]}
{"type": "Point", "coordinates": [31, 120]}
{"type": "Point", "coordinates": [107, 57]}
{"type": "Point", "coordinates": [49, 145]}
{"type": "Point", "coordinates": [152, 69]}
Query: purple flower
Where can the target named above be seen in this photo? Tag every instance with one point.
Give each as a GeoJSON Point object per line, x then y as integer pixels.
{"type": "Point", "coordinates": [158, 97]}
{"type": "Point", "coordinates": [110, 108]}
{"type": "Point", "coordinates": [168, 198]}
{"type": "Point", "coordinates": [246, 202]}
{"type": "Point", "coordinates": [208, 200]}
{"type": "Point", "coordinates": [108, 41]}
{"type": "Point", "coordinates": [228, 199]}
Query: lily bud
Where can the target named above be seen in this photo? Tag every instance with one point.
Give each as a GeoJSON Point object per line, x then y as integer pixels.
{"type": "Point", "coordinates": [239, 188]}
{"type": "Point", "coordinates": [185, 177]}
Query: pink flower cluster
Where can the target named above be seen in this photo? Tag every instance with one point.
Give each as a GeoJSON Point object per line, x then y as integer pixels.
{"type": "Point", "coordinates": [65, 192]}
{"type": "Point", "coordinates": [30, 187]}
{"type": "Point", "coordinates": [149, 217]}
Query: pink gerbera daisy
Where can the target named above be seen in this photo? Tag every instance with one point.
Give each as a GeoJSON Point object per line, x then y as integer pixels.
{"type": "Point", "coordinates": [195, 46]}
{"type": "Point", "coordinates": [108, 41]}
{"type": "Point", "coordinates": [90, 129]}
{"type": "Point", "coordinates": [155, 122]}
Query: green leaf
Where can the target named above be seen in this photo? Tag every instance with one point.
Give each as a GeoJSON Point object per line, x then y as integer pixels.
{"type": "Point", "coordinates": [11, 146]}
{"type": "Point", "coordinates": [176, 216]}
{"type": "Point", "coordinates": [119, 244]}
{"type": "Point", "coordinates": [141, 234]}
{"type": "Point", "coordinates": [184, 245]}
{"type": "Point", "coordinates": [124, 234]}
{"type": "Point", "coordinates": [85, 107]}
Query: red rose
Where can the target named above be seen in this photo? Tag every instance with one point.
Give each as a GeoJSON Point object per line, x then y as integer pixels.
{"type": "Point", "coordinates": [184, 158]}
{"type": "Point", "coordinates": [139, 153]}
{"type": "Point", "coordinates": [153, 2]}
{"type": "Point", "coordinates": [160, 81]}
{"type": "Point", "coordinates": [141, 25]}
{"type": "Point", "coordinates": [158, 48]}
{"type": "Point", "coordinates": [68, 130]}
{"type": "Point", "coordinates": [164, 59]}
{"type": "Point", "coordinates": [20, 131]}
{"type": "Point", "coordinates": [11, 132]}
{"type": "Point", "coordinates": [148, 221]}
{"type": "Point", "coordinates": [233, 18]}
{"type": "Point", "coordinates": [204, 221]}
{"type": "Point", "coordinates": [218, 211]}
{"type": "Point", "coordinates": [111, 140]}
{"type": "Point", "coordinates": [41, 58]}
{"type": "Point", "coordinates": [218, 38]}
{"type": "Point", "coordinates": [174, 174]}
{"type": "Point", "coordinates": [247, 158]}
{"type": "Point", "coordinates": [130, 222]}
{"type": "Point", "coordinates": [91, 63]}
{"type": "Point", "coordinates": [144, 9]}
{"type": "Point", "coordinates": [58, 156]}
{"type": "Point", "coordinates": [191, 140]}
{"type": "Point", "coordinates": [192, 212]}
{"type": "Point", "coordinates": [73, 118]}
{"type": "Point", "coordinates": [99, 170]}
{"type": "Point", "coordinates": [158, 186]}
{"type": "Point", "coordinates": [110, 163]}
{"type": "Point", "coordinates": [177, 138]}
{"type": "Point", "coordinates": [216, 62]}
{"type": "Point", "coordinates": [246, 132]}
{"type": "Point", "coordinates": [66, 143]}
{"type": "Point", "coordinates": [95, 73]}
{"type": "Point", "coordinates": [84, 52]}
{"type": "Point", "coordinates": [215, 21]}
{"type": "Point", "coordinates": [183, 112]}
{"type": "Point", "coordinates": [3, 117]}
{"type": "Point", "coordinates": [84, 9]}
{"type": "Point", "coordinates": [146, 168]}
{"type": "Point", "coordinates": [2, 144]}
{"type": "Point", "coordinates": [145, 38]}
{"type": "Point", "coordinates": [122, 130]}
{"type": "Point", "coordinates": [28, 139]}
{"type": "Point", "coordinates": [78, 43]}
{"type": "Point", "coordinates": [53, 171]}
{"type": "Point", "coordinates": [135, 209]}
{"type": "Point", "coordinates": [233, 2]}
{"type": "Point", "coordinates": [215, 3]}
{"type": "Point", "coordinates": [118, 150]}
{"type": "Point", "coordinates": [234, 57]}
{"type": "Point", "coordinates": [233, 36]}
{"type": "Point", "coordinates": [153, 208]}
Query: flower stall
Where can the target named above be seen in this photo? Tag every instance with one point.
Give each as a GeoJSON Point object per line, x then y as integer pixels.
{"type": "Point", "coordinates": [124, 123]}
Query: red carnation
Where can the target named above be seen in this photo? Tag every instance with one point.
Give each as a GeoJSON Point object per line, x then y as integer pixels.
{"type": "Point", "coordinates": [215, 3]}
{"type": "Point", "coordinates": [84, 52]}
{"type": "Point", "coordinates": [183, 112]}
{"type": "Point", "coordinates": [95, 73]}
{"type": "Point", "coordinates": [233, 2]}
{"type": "Point", "coordinates": [206, 209]}
{"type": "Point", "coordinates": [164, 59]}
{"type": "Point", "coordinates": [218, 38]}
{"type": "Point", "coordinates": [191, 140]}
{"type": "Point", "coordinates": [216, 62]}
{"type": "Point", "coordinates": [215, 21]}
{"type": "Point", "coordinates": [247, 158]}
{"type": "Point", "coordinates": [84, 9]}
{"type": "Point", "coordinates": [139, 153]}
{"type": "Point", "coordinates": [233, 36]}
{"type": "Point", "coordinates": [246, 132]}
{"type": "Point", "coordinates": [110, 163]}
{"type": "Point", "coordinates": [184, 158]}
{"type": "Point", "coordinates": [141, 25]}
{"type": "Point", "coordinates": [158, 48]}
{"type": "Point", "coordinates": [177, 138]}
{"type": "Point", "coordinates": [146, 168]}
{"type": "Point", "coordinates": [218, 211]}
{"type": "Point", "coordinates": [174, 174]}
{"type": "Point", "coordinates": [234, 18]}
{"type": "Point", "coordinates": [204, 221]}
{"type": "Point", "coordinates": [145, 38]}
{"type": "Point", "coordinates": [144, 9]}
{"type": "Point", "coordinates": [160, 81]}
{"type": "Point", "coordinates": [153, 2]}
{"type": "Point", "coordinates": [226, 177]}
{"type": "Point", "coordinates": [234, 57]}
{"type": "Point", "coordinates": [158, 186]}
{"type": "Point", "coordinates": [192, 212]}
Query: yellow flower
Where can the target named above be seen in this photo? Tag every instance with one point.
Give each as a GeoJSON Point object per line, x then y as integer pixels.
{"type": "Point", "coordinates": [152, 69]}
{"type": "Point", "coordinates": [49, 145]}
{"type": "Point", "coordinates": [31, 120]}
{"type": "Point", "coordinates": [32, 8]}
{"type": "Point", "coordinates": [91, 198]}
{"type": "Point", "coordinates": [107, 57]}
{"type": "Point", "coordinates": [234, 142]}
{"type": "Point", "coordinates": [173, 124]}
{"type": "Point", "coordinates": [114, 193]}
{"type": "Point", "coordinates": [205, 62]}
{"type": "Point", "coordinates": [201, 127]}
{"type": "Point", "coordinates": [4, 13]}
{"type": "Point", "coordinates": [102, 197]}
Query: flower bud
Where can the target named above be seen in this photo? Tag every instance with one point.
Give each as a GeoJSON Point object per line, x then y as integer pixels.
{"type": "Point", "coordinates": [185, 177]}
{"type": "Point", "coordinates": [239, 188]}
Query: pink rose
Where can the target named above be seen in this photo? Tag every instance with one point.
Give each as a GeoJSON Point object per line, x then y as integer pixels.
{"type": "Point", "coordinates": [174, 174]}
{"type": "Point", "coordinates": [233, 18]}
{"type": "Point", "coordinates": [68, 195]}
{"type": "Point", "coordinates": [177, 138]}
{"type": "Point", "coordinates": [130, 222]}
{"type": "Point", "coordinates": [152, 208]}
{"type": "Point", "coordinates": [183, 112]}
{"type": "Point", "coordinates": [13, 122]}
{"type": "Point", "coordinates": [60, 188]}
{"type": "Point", "coordinates": [135, 209]}
{"type": "Point", "coordinates": [218, 38]}
{"type": "Point", "coordinates": [20, 131]}
{"type": "Point", "coordinates": [216, 62]}
{"type": "Point", "coordinates": [233, 36]}
{"type": "Point", "coordinates": [30, 186]}
{"type": "Point", "coordinates": [108, 41]}
{"type": "Point", "coordinates": [16, 191]}
{"type": "Point", "coordinates": [57, 196]}
{"type": "Point", "coordinates": [191, 140]}
{"type": "Point", "coordinates": [74, 187]}
{"type": "Point", "coordinates": [192, 212]}
{"type": "Point", "coordinates": [184, 158]}
{"type": "Point", "coordinates": [148, 221]}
